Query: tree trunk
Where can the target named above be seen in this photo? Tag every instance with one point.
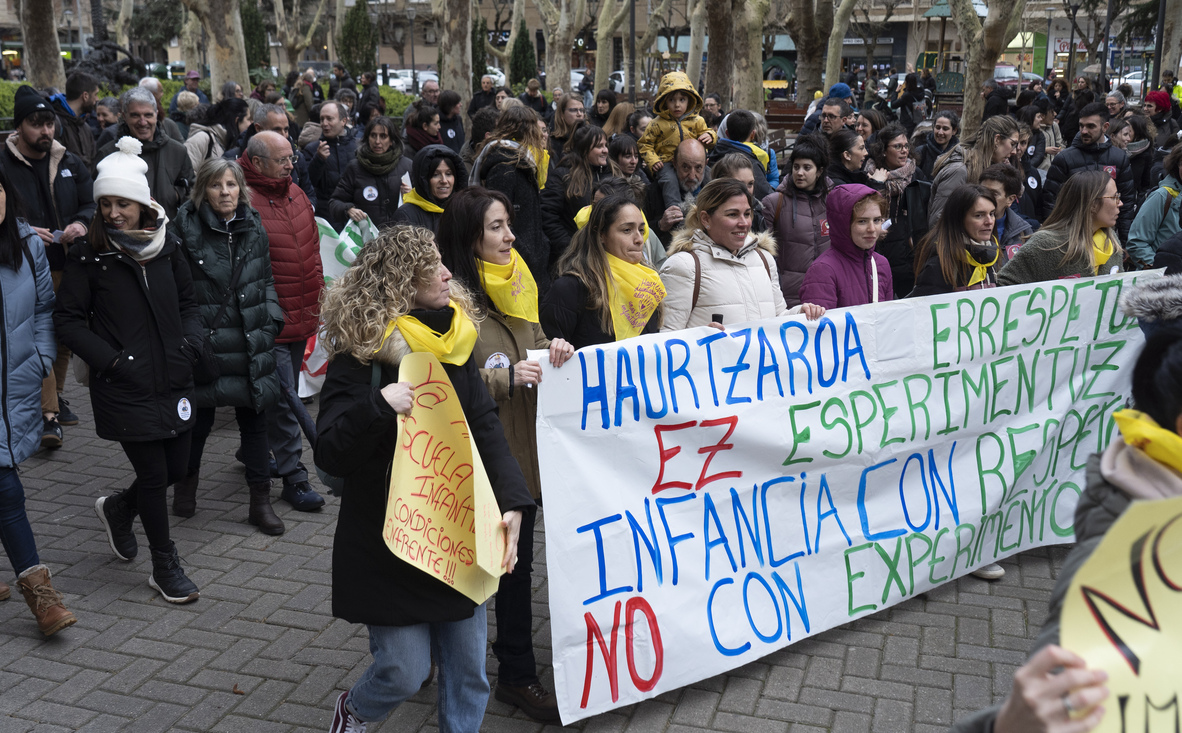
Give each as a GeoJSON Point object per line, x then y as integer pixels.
{"type": "Point", "coordinates": [841, 21]}
{"type": "Point", "coordinates": [983, 44]}
{"type": "Point", "coordinates": [809, 23]}
{"type": "Point", "coordinates": [720, 49]}
{"type": "Point", "coordinates": [288, 30]}
{"type": "Point", "coordinates": [748, 70]}
{"type": "Point", "coordinates": [123, 24]}
{"type": "Point", "coordinates": [455, 48]}
{"type": "Point", "coordinates": [612, 15]}
{"type": "Point", "coordinates": [1172, 49]}
{"type": "Point", "coordinates": [43, 54]}
{"type": "Point", "coordinates": [560, 23]}
{"type": "Point", "coordinates": [226, 49]}
{"type": "Point", "coordinates": [693, 65]}
{"type": "Point", "coordinates": [506, 56]}
{"type": "Point", "coordinates": [334, 30]}
{"type": "Point", "coordinates": [190, 40]}
{"type": "Point", "coordinates": [98, 21]}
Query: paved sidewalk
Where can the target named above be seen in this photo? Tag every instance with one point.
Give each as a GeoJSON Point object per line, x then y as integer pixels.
{"type": "Point", "coordinates": [261, 652]}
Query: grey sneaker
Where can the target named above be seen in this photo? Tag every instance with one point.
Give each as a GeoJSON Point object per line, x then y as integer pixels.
{"type": "Point", "coordinates": [992, 571]}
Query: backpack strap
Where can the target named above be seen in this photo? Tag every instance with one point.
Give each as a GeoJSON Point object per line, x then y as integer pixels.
{"type": "Point", "coordinates": [697, 278]}
{"type": "Point", "coordinates": [763, 259]}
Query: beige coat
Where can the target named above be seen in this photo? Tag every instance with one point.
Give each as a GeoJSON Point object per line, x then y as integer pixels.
{"type": "Point", "coordinates": [503, 342]}
{"type": "Point", "coordinates": [740, 287]}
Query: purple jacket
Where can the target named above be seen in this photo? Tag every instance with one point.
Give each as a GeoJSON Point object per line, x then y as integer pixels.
{"type": "Point", "coordinates": [842, 276]}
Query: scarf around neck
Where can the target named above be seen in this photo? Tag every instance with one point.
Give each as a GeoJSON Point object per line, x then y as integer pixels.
{"type": "Point", "coordinates": [419, 139]}
{"type": "Point", "coordinates": [413, 197]}
{"type": "Point", "coordinates": [981, 269]}
{"type": "Point", "coordinates": [453, 347]}
{"type": "Point", "coordinates": [377, 164]}
{"type": "Point", "coordinates": [900, 178]}
{"type": "Point", "coordinates": [634, 292]}
{"type": "Point", "coordinates": [1102, 249]}
{"type": "Point", "coordinates": [142, 245]}
{"type": "Point", "coordinates": [511, 287]}
{"type": "Point", "coordinates": [1140, 431]}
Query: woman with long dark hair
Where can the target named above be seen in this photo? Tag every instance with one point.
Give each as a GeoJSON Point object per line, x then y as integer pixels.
{"type": "Point", "coordinates": [476, 243]}
{"type": "Point", "coordinates": [624, 157]}
{"type": "Point", "coordinates": [27, 358]}
{"type": "Point", "coordinates": [847, 153]}
{"type": "Point", "coordinates": [605, 102]}
{"type": "Point", "coordinates": [942, 138]}
{"type": "Point", "coordinates": [795, 214]}
{"type": "Point", "coordinates": [223, 124]}
{"type": "Point", "coordinates": [909, 103]}
{"type": "Point", "coordinates": [568, 116]}
{"type": "Point", "coordinates": [422, 127]}
{"type": "Point", "coordinates": [437, 173]}
{"type": "Point", "coordinates": [372, 182]}
{"type": "Point", "coordinates": [585, 162]}
{"type": "Point", "coordinates": [126, 306]}
{"type": "Point", "coordinates": [994, 142]}
{"type": "Point", "coordinates": [960, 253]}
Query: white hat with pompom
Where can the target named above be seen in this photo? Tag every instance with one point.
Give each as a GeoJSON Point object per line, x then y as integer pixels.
{"type": "Point", "coordinates": [123, 173]}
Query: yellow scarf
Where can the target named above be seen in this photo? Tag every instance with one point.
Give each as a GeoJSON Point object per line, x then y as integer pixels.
{"type": "Point", "coordinates": [512, 288]}
{"type": "Point", "coordinates": [1102, 249]}
{"type": "Point", "coordinates": [1142, 432]}
{"type": "Point", "coordinates": [542, 160]}
{"type": "Point", "coordinates": [980, 271]}
{"type": "Point", "coordinates": [413, 197]}
{"type": "Point", "coordinates": [453, 347]}
{"type": "Point", "coordinates": [634, 292]}
{"type": "Point", "coordinates": [584, 216]}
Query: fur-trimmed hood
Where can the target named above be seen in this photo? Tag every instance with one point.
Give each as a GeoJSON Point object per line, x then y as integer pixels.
{"type": "Point", "coordinates": [686, 239]}
{"type": "Point", "coordinates": [1159, 299]}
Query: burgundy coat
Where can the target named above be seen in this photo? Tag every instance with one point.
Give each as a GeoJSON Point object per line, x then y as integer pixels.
{"type": "Point", "coordinates": [842, 276]}
{"type": "Point", "coordinates": [294, 239]}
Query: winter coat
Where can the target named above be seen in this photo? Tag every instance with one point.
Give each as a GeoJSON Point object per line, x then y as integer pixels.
{"type": "Point", "coordinates": [326, 174]}
{"type": "Point", "coordinates": [503, 342]}
{"type": "Point", "coordinates": [1167, 130]}
{"type": "Point", "coordinates": [302, 101]}
{"type": "Point", "coordinates": [1015, 232]}
{"type": "Point", "coordinates": [664, 134]}
{"type": "Point", "coordinates": [422, 169]}
{"type": "Point", "coordinates": [537, 104]}
{"type": "Point", "coordinates": [299, 173]}
{"type": "Point", "coordinates": [1038, 261]}
{"type": "Point", "coordinates": [451, 130]}
{"type": "Point", "coordinates": [564, 314]}
{"type": "Point", "coordinates": [110, 307]}
{"type": "Point", "coordinates": [336, 84]}
{"type": "Point", "coordinates": [1169, 255]}
{"type": "Point", "coordinates": [170, 172]}
{"type": "Point", "coordinates": [1157, 220]}
{"type": "Point", "coordinates": [377, 196]}
{"type": "Point", "coordinates": [204, 142]}
{"type": "Point", "coordinates": [558, 209]}
{"type": "Point", "coordinates": [1103, 155]}
{"type": "Point", "coordinates": [927, 151]}
{"type": "Point", "coordinates": [495, 169]}
{"type": "Point", "coordinates": [845, 274]}
{"type": "Point", "coordinates": [294, 242]}
{"type": "Point", "coordinates": [838, 175]}
{"type": "Point", "coordinates": [357, 431]}
{"type": "Point", "coordinates": [726, 147]}
{"type": "Point", "coordinates": [244, 341]}
{"type": "Point", "coordinates": [1054, 139]}
{"type": "Point", "coordinates": [931, 280]}
{"type": "Point", "coordinates": [665, 191]}
{"type": "Point", "coordinates": [740, 286]}
{"type": "Point", "coordinates": [951, 176]}
{"type": "Point", "coordinates": [69, 197]}
{"type": "Point", "coordinates": [72, 131]}
{"type": "Point", "coordinates": [480, 100]}
{"type": "Point", "coordinates": [909, 116]}
{"type": "Point", "coordinates": [27, 348]}
{"type": "Point", "coordinates": [797, 220]}
{"type": "Point", "coordinates": [996, 103]}
{"type": "Point", "coordinates": [1156, 303]}
{"type": "Point", "coordinates": [908, 215]}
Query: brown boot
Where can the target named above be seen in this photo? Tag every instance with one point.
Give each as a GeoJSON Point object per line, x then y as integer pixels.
{"type": "Point", "coordinates": [261, 514]}
{"type": "Point", "coordinates": [184, 496]}
{"type": "Point", "coordinates": [5, 591]}
{"type": "Point", "coordinates": [44, 601]}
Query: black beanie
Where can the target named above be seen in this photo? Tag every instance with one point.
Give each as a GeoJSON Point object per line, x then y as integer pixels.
{"type": "Point", "coordinates": [26, 103]}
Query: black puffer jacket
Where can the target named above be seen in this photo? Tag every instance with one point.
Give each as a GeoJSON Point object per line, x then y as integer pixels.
{"type": "Point", "coordinates": [170, 173]}
{"type": "Point", "coordinates": [357, 430]}
{"type": "Point", "coordinates": [377, 196]}
{"type": "Point", "coordinates": [425, 163]}
{"type": "Point", "coordinates": [560, 209]}
{"type": "Point", "coordinates": [564, 314]}
{"type": "Point", "coordinates": [244, 342]}
{"type": "Point", "coordinates": [109, 307]}
{"type": "Point", "coordinates": [1103, 155]}
{"type": "Point", "coordinates": [496, 170]}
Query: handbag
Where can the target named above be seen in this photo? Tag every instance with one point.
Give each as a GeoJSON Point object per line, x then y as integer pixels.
{"type": "Point", "coordinates": [206, 369]}
{"type": "Point", "coordinates": [336, 484]}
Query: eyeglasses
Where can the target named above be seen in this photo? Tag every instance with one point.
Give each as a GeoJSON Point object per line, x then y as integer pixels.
{"type": "Point", "coordinates": [289, 158]}
{"type": "Point", "coordinates": [900, 146]}
{"type": "Point", "coordinates": [830, 117]}
{"type": "Point", "coordinates": [1115, 198]}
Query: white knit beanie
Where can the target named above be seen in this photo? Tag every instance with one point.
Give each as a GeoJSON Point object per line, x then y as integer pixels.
{"type": "Point", "coordinates": [123, 173]}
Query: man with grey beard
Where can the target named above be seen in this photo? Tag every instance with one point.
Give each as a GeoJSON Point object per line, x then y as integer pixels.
{"type": "Point", "coordinates": [675, 188]}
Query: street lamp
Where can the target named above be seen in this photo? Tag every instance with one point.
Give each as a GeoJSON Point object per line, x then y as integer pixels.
{"type": "Point", "coordinates": [414, 74]}
{"type": "Point", "coordinates": [1071, 49]}
{"type": "Point", "coordinates": [68, 15]}
{"type": "Point", "coordinates": [1050, 60]}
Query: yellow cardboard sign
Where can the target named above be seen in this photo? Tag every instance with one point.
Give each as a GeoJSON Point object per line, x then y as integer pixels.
{"type": "Point", "coordinates": [441, 515]}
{"type": "Point", "coordinates": [1123, 614]}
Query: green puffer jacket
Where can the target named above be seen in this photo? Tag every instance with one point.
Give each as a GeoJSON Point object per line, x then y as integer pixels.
{"type": "Point", "coordinates": [244, 342]}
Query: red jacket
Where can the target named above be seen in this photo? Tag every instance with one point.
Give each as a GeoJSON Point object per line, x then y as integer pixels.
{"type": "Point", "coordinates": [290, 224]}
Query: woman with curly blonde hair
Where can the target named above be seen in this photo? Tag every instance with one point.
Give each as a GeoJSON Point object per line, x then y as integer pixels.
{"type": "Point", "coordinates": [398, 298]}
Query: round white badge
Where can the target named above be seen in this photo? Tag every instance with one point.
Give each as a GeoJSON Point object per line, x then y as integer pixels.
{"type": "Point", "coordinates": [184, 409]}
{"type": "Point", "coordinates": [1030, 150]}
{"type": "Point", "coordinates": [451, 133]}
{"type": "Point", "coordinates": [497, 361]}
{"type": "Point", "coordinates": [1032, 182]}
{"type": "Point", "coordinates": [370, 193]}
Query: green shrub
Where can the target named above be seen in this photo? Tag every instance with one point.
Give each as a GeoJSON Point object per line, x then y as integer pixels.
{"type": "Point", "coordinates": [7, 101]}
{"type": "Point", "coordinates": [396, 101]}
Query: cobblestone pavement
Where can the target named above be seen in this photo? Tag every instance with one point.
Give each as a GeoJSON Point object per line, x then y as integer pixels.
{"type": "Point", "coordinates": [260, 650]}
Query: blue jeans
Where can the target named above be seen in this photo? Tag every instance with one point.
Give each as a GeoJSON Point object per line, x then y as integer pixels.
{"type": "Point", "coordinates": [402, 660]}
{"type": "Point", "coordinates": [15, 530]}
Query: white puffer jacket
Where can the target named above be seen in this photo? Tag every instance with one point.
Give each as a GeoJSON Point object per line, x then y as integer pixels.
{"type": "Point", "coordinates": [739, 286]}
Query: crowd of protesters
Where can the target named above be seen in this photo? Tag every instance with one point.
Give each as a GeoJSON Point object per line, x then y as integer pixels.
{"type": "Point", "coordinates": [175, 252]}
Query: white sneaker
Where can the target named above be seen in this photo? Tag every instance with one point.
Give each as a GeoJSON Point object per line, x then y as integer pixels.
{"type": "Point", "coordinates": [992, 571]}
{"type": "Point", "coordinates": [344, 721]}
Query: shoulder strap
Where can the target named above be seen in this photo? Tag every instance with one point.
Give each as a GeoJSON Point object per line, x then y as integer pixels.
{"type": "Point", "coordinates": [229, 295]}
{"type": "Point", "coordinates": [697, 278]}
{"type": "Point", "coordinates": [208, 146]}
{"type": "Point", "coordinates": [32, 263]}
{"type": "Point", "coordinates": [1165, 211]}
{"type": "Point", "coordinates": [763, 259]}
{"type": "Point", "coordinates": [779, 205]}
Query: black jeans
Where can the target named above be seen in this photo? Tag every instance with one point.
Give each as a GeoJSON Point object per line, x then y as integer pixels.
{"type": "Point", "coordinates": [157, 464]}
{"type": "Point", "coordinates": [252, 427]}
{"type": "Point", "coordinates": [514, 646]}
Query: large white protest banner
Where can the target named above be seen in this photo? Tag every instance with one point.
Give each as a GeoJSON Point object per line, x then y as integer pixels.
{"type": "Point", "coordinates": [714, 496]}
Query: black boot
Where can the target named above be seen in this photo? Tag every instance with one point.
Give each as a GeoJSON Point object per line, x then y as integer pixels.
{"type": "Point", "coordinates": [184, 496]}
{"type": "Point", "coordinates": [169, 579]}
{"type": "Point", "coordinates": [116, 513]}
{"type": "Point", "coordinates": [261, 514]}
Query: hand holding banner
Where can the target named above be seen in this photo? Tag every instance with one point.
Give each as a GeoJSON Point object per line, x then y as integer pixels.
{"type": "Point", "coordinates": [441, 515]}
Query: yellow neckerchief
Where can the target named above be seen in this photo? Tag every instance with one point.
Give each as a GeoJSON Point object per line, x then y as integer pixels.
{"type": "Point", "coordinates": [1172, 191]}
{"type": "Point", "coordinates": [542, 161]}
{"type": "Point", "coordinates": [453, 347]}
{"type": "Point", "coordinates": [634, 292]}
{"type": "Point", "coordinates": [1102, 249]}
{"type": "Point", "coordinates": [584, 216]}
{"type": "Point", "coordinates": [413, 197]}
{"type": "Point", "coordinates": [760, 154]}
{"type": "Point", "coordinates": [511, 287]}
{"type": "Point", "coordinates": [980, 270]}
{"type": "Point", "coordinates": [1142, 432]}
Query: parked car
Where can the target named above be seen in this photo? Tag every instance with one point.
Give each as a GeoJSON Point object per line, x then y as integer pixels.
{"type": "Point", "coordinates": [618, 82]}
{"type": "Point", "coordinates": [1136, 80]}
{"type": "Point", "coordinates": [403, 79]}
